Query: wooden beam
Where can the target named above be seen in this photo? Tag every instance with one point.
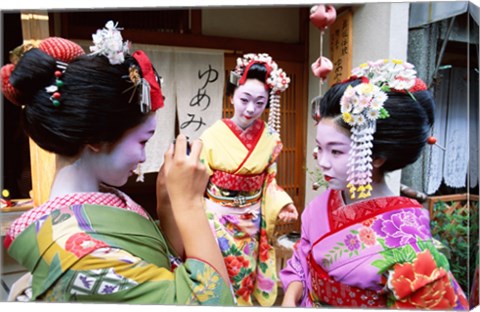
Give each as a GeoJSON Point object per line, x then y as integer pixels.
{"type": "Point", "coordinates": [196, 21]}
{"type": "Point", "coordinates": [280, 51]}
{"type": "Point", "coordinates": [35, 26]}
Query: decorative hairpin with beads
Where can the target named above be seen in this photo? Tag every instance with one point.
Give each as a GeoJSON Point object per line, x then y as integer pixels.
{"type": "Point", "coordinates": [55, 88]}
{"type": "Point", "coordinates": [431, 140]}
{"type": "Point", "coordinates": [137, 80]}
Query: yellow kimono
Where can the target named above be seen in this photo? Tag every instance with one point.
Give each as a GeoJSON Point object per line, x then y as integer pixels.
{"type": "Point", "coordinates": [242, 202]}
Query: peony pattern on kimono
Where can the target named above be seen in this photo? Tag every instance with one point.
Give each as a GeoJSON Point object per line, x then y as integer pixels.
{"type": "Point", "coordinates": [422, 284]}
{"type": "Point", "coordinates": [402, 227]}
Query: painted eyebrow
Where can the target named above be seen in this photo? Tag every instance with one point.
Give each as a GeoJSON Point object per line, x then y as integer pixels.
{"type": "Point", "coordinates": [333, 143]}
{"type": "Point", "coordinates": [261, 96]}
{"type": "Point", "coordinates": [150, 132]}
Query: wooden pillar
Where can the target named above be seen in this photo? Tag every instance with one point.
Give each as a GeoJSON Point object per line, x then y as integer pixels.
{"type": "Point", "coordinates": [43, 163]}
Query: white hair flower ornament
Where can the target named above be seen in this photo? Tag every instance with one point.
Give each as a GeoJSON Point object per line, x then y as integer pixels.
{"type": "Point", "coordinates": [109, 42]}
{"type": "Point", "coordinates": [362, 105]}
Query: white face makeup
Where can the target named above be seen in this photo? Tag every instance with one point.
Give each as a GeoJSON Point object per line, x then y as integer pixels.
{"type": "Point", "coordinates": [115, 164]}
{"type": "Point", "coordinates": [249, 101]}
{"type": "Point", "coordinates": [333, 146]}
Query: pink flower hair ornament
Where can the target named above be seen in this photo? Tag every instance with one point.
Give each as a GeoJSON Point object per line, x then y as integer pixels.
{"type": "Point", "coordinates": [363, 104]}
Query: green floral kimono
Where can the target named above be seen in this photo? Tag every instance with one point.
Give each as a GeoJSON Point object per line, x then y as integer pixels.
{"type": "Point", "coordinates": [94, 253]}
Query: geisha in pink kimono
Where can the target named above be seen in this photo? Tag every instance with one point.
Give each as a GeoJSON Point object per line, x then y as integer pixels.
{"type": "Point", "coordinates": [243, 200]}
{"type": "Point", "coordinates": [361, 245]}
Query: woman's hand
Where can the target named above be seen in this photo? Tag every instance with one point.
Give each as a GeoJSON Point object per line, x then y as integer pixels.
{"type": "Point", "coordinates": [185, 176]}
{"type": "Point", "coordinates": [163, 201]}
{"type": "Point", "coordinates": [168, 225]}
{"type": "Point", "coordinates": [186, 180]}
{"type": "Point", "coordinates": [288, 213]}
{"type": "Point", "coordinates": [293, 294]}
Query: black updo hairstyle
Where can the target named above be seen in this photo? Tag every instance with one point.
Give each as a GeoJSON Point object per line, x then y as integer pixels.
{"type": "Point", "coordinates": [256, 71]}
{"type": "Point", "coordinates": [94, 107]}
{"type": "Point", "coordinates": [399, 138]}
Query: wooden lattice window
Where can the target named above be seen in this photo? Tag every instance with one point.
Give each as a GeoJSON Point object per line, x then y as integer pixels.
{"type": "Point", "coordinates": [454, 223]}
{"type": "Point", "coordinates": [170, 21]}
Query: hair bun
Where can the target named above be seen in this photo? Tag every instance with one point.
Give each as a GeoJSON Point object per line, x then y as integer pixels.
{"type": "Point", "coordinates": [7, 89]}
{"type": "Point", "coordinates": [61, 49]}
{"type": "Point", "coordinates": [58, 48]}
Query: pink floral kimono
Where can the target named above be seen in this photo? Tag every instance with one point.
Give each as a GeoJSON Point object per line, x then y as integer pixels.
{"type": "Point", "coordinates": [374, 253]}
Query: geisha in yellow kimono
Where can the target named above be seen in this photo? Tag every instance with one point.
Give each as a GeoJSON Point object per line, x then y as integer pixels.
{"type": "Point", "coordinates": [243, 200]}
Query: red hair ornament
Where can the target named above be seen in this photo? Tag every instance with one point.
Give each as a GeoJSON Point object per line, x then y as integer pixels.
{"type": "Point", "coordinates": [149, 74]}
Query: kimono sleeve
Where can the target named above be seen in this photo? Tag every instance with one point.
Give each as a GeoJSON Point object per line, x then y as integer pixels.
{"type": "Point", "coordinates": [114, 275]}
{"type": "Point", "coordinates": [296, 268]}
{"type": "Point", "coordinates": [275, 196]}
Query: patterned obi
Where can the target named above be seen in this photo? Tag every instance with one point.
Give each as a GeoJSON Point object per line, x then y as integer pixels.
{"type": "Point", "coordinates": [239, 200]}
{"type": "Point", "coordinates": [235, 191]}
{"type": "Point", "coordinates": [326, 290]}
{"type": "Point", "coordinates": [238, 182]}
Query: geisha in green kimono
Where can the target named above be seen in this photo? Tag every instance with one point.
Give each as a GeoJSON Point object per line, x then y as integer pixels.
{"type": "Point", "coordinates": [90, 242]}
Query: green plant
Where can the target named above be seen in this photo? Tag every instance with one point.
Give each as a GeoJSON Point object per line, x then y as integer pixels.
{"type": "Point", "coordinates": [316, 177]}
{"type": "Point", "coordinates": [455, 225]}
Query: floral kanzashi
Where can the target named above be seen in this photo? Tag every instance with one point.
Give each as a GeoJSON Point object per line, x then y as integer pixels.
{"type": "Point", "coordinates": [362, 106]}
{"type": "Point", "coordinates": [277, 80]}
{"type": "Point", "coordinates": [421, 284]}
{"type": "Point", "coordinates": [388, 74]}
{"type": "Point", "coordinates": [109, 42]}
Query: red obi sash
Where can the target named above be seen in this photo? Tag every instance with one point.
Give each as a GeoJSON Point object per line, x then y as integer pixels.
{"type": "Point", "coordinates": [328, 291]}
{"type": "Point", "coordinates": [237, 182]}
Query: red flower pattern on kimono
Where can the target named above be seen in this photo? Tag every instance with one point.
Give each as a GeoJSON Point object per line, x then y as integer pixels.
{"type": "Point", "coordinates": [422, 284]}
{"type": "Point", "coordinates": [246, 288]}
{"type": "Point", "coordinates": [234, 264]}
{"type": "Point", "coordinates": [264, 246]}
{"type": "Point", "coordinates": [82, 244]}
